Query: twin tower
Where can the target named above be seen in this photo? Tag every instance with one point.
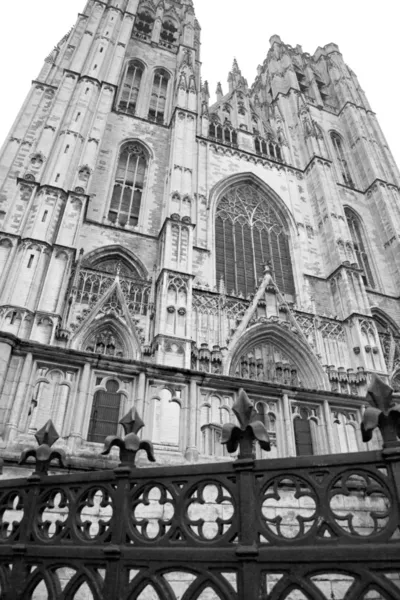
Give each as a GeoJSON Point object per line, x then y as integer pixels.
{"type": "Point", "coordinates": [161, 251]}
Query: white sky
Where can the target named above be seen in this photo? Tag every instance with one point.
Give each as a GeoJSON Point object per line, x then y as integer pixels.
{"type": "Point", "coordinates": [366, 32]}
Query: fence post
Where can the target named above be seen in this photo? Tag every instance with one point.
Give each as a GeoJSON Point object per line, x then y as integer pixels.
{"type": "Point", "coordinates": [114, 582]}
{"type": "Point", "coordinates": [19, 573]}
{"type": "Point", "coordinates": [249, 583]}
{"type": "Point", "coordinates": [392, 457]}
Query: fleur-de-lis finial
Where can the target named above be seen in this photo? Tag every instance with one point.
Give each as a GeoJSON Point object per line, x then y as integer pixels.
{"type": "Point", "coordinates": [131, 444]}
{"type": "Point", "coordinates": [251, 429]}
{"type": "Point", "coordinates": [383, 412]}
{"type": "Point", "coordinates": [46, 437]}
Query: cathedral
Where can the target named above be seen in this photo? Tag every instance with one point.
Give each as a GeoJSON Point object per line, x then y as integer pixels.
{"type": "Point", "coordinates": [160, 249]}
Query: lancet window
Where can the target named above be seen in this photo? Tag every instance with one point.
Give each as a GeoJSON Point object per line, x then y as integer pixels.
{"type": "Point", "coordinates": [50, 399]}
{"type": "Point", "coordinates": [268, 418]}
{"type": "Point", "coordinates": [224, 134]}
{"type": "Point", "coordinates": [128, 186]}
{"type": "Point", "coordinates": [105, 413]}
{"type": "Point", "coordinates": [306, 431]}
{"type": "Point", "coordinates": [166, 411]}
{"type": "Point", "coordinates": [158, 97]}
{"type": "Point", "coordinates": [341, 159]}
{"type": "Point", "coordinates": [358, 239]}
{"type": "Point", "coordinates": [249, 235]}
{"type": "Point", "coordinates": [267, 148]}
{"type": "Point", "coordinates": [215, 412]}
{"type": "Point", "coordinates": [130, 87]}
{"type": "Point", "coordinates": [144, 24]}
{"type": "Point", "coordinates": [344, 429]}
{"type": "Point", "coordinates": [302, 434]}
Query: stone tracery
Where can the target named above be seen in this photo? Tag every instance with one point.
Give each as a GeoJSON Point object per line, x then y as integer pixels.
{"type": "Point", "coordinates": [249, 235]}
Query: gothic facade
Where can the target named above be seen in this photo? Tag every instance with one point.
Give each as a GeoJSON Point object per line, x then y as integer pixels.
{"type": "Point", "coordinates": [163, 251]}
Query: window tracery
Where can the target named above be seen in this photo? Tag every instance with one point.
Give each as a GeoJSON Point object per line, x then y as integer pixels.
{"type": "Point", "coordinates": [99, 276]}
{"type": "Point", "coordinates": [144, 24]}
{"type": "Point", "coordinates": [130, 87]}
{"type": "Point", "coordinates": [105, 342]}
{"type": "Point", "coordinates": [389, 336]}
{"type": "Point", "coordinates": [266, 148]}
{"type": "Point", "coordinates": [249, 235]}
{"type": "Point", "coordinates": [358, 239]}
{"type": "Point", "coordinates": [206, 319]}
{"type": "Point", "coordinates": [158, 97]}
{"type": "Point", "coordinates": [128, 186]}
{"type": "Point", "coordinates": [223, 133]}
{"type": "Point", "coordinates": [51, 398]}
{"type": "Point", "coordinates": [265, 362]}
{"type": "Point", "coordinates": [344, 428]}
{"type": "Point", "coordinates": [341, 159]}
{"type": "Point", "coordinates": [169, 34]}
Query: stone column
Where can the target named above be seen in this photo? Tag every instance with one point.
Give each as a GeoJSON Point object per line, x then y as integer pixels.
{"type": "Point", "coordinates": [80, 407]}
{"type": "Point", "coordinates": [329, 428]}
{"type": "Point", "coordinates": [291, 450]}
{"type": "Point", "coordinates": [141, 392]}
{"type": "Point", "coordinates": [15, 415]}
{"type": "Point", "coordinates": [5, 354]}
{"type": "Point", "coordinates": [192, 453]}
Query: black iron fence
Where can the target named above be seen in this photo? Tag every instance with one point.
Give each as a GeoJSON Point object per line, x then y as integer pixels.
{"type": "Point", "coordinates": [317, 527]}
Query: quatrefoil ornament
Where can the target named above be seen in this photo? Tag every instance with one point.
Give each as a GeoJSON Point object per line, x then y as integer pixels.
{"type": "Point", "coordinates": [251, 429]}
{"type": "Point", "coordinates": [44, 455]}
{"type": "Point", "coordinates": [131, 444]}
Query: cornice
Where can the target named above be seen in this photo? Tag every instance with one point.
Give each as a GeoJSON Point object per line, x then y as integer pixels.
{"type": "Point", "coordinates": [46, 85]}
{"type": "Point", "coordinates": [76, 358]}
{"type": "Point", "coordinates": [121, 229]}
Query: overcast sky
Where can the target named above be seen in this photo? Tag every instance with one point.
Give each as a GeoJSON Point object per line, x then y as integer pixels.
{"type": "Point", "coordinates": [366, 32]}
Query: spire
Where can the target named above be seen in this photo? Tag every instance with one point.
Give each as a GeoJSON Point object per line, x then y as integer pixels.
{"type": "Point", "coordinates": [219, 92]}
{"type": "Point", "coordinates": [235, 77]}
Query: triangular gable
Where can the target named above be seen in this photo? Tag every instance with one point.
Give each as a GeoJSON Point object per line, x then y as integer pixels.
{"type": "Point", "coordinates": [112, 305]}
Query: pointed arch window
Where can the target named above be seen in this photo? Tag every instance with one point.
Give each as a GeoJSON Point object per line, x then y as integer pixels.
{"type": "Point", "coordinates": [144, 24]}
{"type": "Point", "coordinates": [341, 159]}
{"type": "Point", "coordinates": [158, 97]}
{"type": "Point", "coordinates": [169, 34]}
{"type": "Point", "coordinates": [215, 412]}
{"type": "Point", "coordinates": [250, 234]}
{"type": "Point", "coordinates": [360, 247]}
{"type": "Point", "coordinates": [130, 87]}
{"type": "Point", "coordinates": [105, 413]}
{"type": "Point", "coordinates": [128, 186]}
{"type": "Point", "coordinates": [303, 434]}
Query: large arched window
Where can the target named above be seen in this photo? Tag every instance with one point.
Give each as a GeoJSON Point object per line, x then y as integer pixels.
{"type": "Point", "coordinates": [128, 185]}
{"type": "Point", "coordinates": [341, 158]}
{"type": "Point", "coordinates": [105, 413]}
{"type": "Point", "coordinates": [130, 87]}
{"type": "Point", "coordinates": [357, 236]}
{"type": "Point", "coordinates": [158, 98]}
{"type": "Point", "coordinates": [249, 235]}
